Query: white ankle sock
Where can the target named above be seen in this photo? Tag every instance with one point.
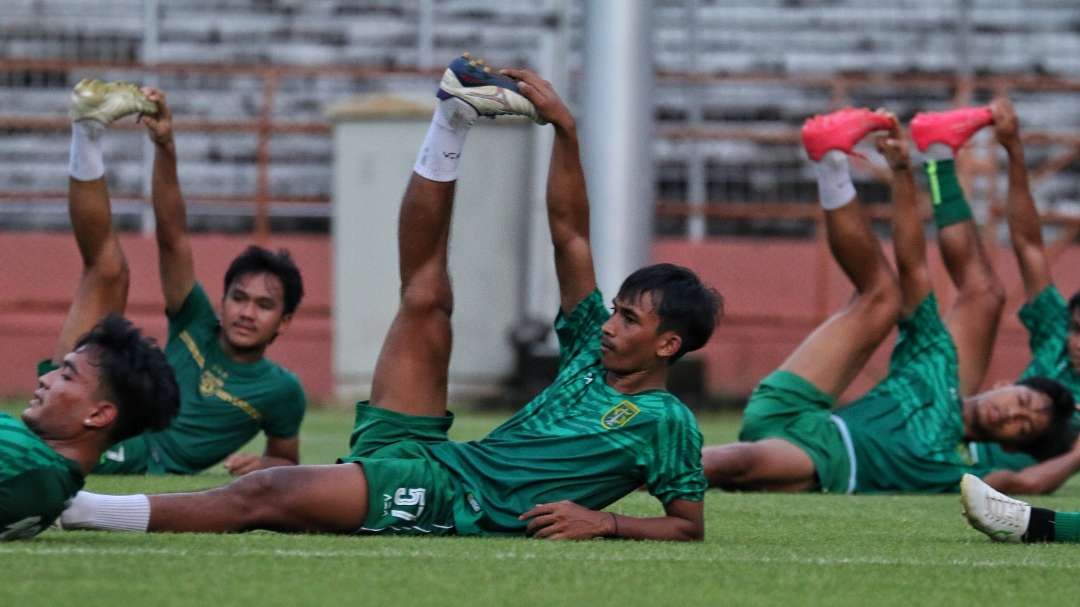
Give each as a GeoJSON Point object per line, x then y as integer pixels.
{"type": "Point", "coordinates": [441, 152]}
{"type": "Point", "coordinates": [87, 156]}
{"type": "Point", "coordinates": [834, 180]}
{"type": "Point", "coordinates": [938, 151]}
{"type": "Point", "coordinates": [107, 512]}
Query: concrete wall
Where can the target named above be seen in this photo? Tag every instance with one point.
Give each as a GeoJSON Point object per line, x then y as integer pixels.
{"type": "Point", "coordinates": [768, 287]}
{"type": "Point", "coordinates": [39, 273]}
{"type": "Point", "coordinates": [374, 154]}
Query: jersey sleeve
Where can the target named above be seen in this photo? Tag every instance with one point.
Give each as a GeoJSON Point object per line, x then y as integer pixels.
{"type": "Point", "coordinates": [1046, 318]}
{"type": "Point", "coordinates": [923, 336]}
{"type": "Point", "coordinates": [674, 471]}
{"type": "Point", "coordinates": [196, 314]}
{"type": "Point", "coordinates": [31, 501]}
{"type": "Point", "coordinates": [288, 411]}
{"type": "Point", "coordinates": [579, 331]}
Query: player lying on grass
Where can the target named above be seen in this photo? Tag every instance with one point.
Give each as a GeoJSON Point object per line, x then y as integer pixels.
{"type": "Point", "coordinates": [114, 384]}
{"type": "Point", "coordinates": [1005, 519]}
{"type": "Point", "coordinates": [903, 435]}
{"type": "Point", "coordinates": [1053, 326]}
{"type": "Point", "coordinates": [604, 427]}
{"type": "Point", "coordinates": [973, 319]}
{"type": "Point", "coordinates": [230, 391]}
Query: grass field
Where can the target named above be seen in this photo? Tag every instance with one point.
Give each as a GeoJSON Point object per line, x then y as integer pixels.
{"type": "Point", "coordinates": [759, 550]}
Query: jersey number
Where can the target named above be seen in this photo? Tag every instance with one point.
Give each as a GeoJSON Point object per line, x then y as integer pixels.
{"type": "Point", "coordinates": [408, 497]}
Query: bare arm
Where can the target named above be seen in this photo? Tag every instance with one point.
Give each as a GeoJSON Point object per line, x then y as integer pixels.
{"type": "Point", "coordinates": [567, 199]}
{"type": "Point", "coordinates": [1043, 477]}
{"type": "Point", "coordinates": [175, 260]}
{"type": "Point", "coordinates": [908, 238]}
{"type": "Point", "coordinates": [1025, 229]}
{"type": "Point", "coordinates": [279, 452]}
{"type": "Point", "coordinates": [565, 520]}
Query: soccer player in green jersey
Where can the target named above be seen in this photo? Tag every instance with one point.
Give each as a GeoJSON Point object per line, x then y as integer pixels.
{"type": "Point", "coordinates": [1053, 325]}
{"type": "Point", "coordinates": [112, 385]}
{"type": "Point", "coordinates": [603, 428]}
{"type": "Point", "coordinates": [230, 390]}
{"type": "Point", "coordinates": [106, 383]}
{"type": "Point", "coordinates": [904, 434]}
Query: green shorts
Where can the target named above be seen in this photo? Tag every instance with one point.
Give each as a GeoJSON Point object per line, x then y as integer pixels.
{"type": "Point", "coordinates": [788, 407]}
{"type": "Point", "coordinates": [409, 491]}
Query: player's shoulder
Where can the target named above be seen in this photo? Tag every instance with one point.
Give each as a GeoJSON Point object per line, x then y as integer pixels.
{"type": "Point", "coordinates": [14, 432]}
{"type": "Point", "coordinates": [283, 382]}
{"type": "Point", "coordinates": [664, 407]}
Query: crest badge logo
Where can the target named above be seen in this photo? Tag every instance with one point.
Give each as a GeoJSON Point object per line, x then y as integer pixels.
{"type": "Point", "coordinates": [619, 415]}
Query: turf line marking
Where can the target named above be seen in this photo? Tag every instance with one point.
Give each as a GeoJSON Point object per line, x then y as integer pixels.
{"type": "Point", "coordinates": [32, 550]}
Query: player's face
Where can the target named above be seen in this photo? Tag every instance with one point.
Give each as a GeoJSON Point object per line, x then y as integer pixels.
{"type": "Point", "coordinates": [1013, 414]}
{"type": "Point", "coordinates": [629, 340]}
{"type": "Point", "coordinates": [252, 312]}
{"type": "Point", "coordinates": [64, 399]}
{"type": "Point", "coordinates": [1073, 343]}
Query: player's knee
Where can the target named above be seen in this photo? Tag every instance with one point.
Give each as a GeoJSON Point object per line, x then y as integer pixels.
{"type": "Point", "coordinates": [881, 304]}
{"type": "Point", "coordinates": [727, 466]}
{"type": "Point", "coordinates": [987, 293]}
{"type": "Point", "coordinates": [109, 270]}
{"type": "Point", "coordinates": [256, 495]}
{"type": "Point", "coordinates": [433, 297]}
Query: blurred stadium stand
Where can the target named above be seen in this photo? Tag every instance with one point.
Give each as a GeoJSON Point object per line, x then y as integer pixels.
{"type": "Point", "coordinates": [735, 79]}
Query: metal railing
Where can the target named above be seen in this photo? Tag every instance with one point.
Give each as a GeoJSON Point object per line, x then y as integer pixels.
{"type": "Point", "coordinates": [977, 163]}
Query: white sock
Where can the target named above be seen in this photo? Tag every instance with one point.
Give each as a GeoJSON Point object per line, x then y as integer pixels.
{"type": "Point", "coordinates": [834, 180]}
{"type": "Point", "coordinates": [87, 156]}
{"type": "Point", "coordinates": [441, 152]}
{"type": "Point", "coordinates": [938, 151]}
{"type": "Point", "coordinates": [107, 512]}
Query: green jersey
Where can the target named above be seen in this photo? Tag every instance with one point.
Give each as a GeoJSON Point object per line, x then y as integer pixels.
{"type": "Point", "coordinates": [224, 404]}
{"type": "Point", "coordinates": [578, 440]}
{"type": "Point", "coordinates": [35, 481]}
{"type": "Point", "coordinates": [906, 432]}
{"type": "Point", "coordinates": [1046, 318]}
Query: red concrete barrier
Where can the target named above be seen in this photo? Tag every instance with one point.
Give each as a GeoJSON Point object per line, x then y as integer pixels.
{"type": "Point", "coordinates": [40, 272]}
{"type": "Point", "coordinates": [771, 291]}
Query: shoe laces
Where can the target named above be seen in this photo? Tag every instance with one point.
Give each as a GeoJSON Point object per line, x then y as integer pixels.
{"type": "Point", "coordinates": [1005, 511]}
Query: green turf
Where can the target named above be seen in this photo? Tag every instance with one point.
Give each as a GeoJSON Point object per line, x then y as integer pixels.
{"type": "Point", "coordinates": [759, 550]}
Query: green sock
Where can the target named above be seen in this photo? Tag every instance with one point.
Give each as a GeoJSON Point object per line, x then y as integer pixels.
{"type": "Point", "coordinates": [1067, 527]}
{"type": "Point", "coordinates": [950, 206]}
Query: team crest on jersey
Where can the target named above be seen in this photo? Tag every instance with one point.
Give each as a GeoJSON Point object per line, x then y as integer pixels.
{"type": "Point", "coordinates": [619, 415]}
{"type": "Point", "coordinates": [210, 384]}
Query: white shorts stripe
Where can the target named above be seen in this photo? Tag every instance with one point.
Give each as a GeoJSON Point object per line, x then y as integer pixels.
{"type": "Point", "coordinates": [841, 425]}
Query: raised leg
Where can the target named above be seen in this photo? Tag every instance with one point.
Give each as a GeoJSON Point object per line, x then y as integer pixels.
{"type": "Point", "coordinates": [834, 353]}
{"type": "Point", "coordinates": [103, 285]}
{"type": "Point", "coordinates": [411, 372]}
{"type": "Point", "coordinates": [974, 316]}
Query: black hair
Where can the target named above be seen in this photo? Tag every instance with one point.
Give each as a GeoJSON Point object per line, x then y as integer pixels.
{"type": "Point", "coordinates": [256, 260]}
{"type": "Point", "coordinates": [1060, 436]}
{"type": "Point", "coordinates": [1074, 303]}
{"type": "Point", "coordinates": [683, 303]}
{"type": "Point", "coordinates": [135, 376]}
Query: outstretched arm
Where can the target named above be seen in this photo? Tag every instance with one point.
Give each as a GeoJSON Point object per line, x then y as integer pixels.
{"type": "Point", "coordinates": [684, 520]}
{"type": "Point", "coordinates": [279, 452]}
{"type": "Point", "coordinates": [1025, 229]}
{"type": "Point", "coordinates": [175, 261]}
{"type": "Point", "coordinates": [908, 238]}
{"type": "Point", "coordinates": [567, 200]}
{"type": "Point", "coordinates": [1043, 477]}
